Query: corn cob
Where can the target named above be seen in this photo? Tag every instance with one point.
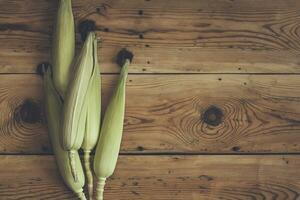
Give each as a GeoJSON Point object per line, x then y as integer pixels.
{"type": "Point", "coordinates": [75, 110]}
{"type": "Point", "coordinates": [108, 146]}
{"type": "Point", "coordinates": [93, 101]}
{"type": "Point", "coordinates": [64, 46]}
{"type": "Point", "coordinates": [53, 112]}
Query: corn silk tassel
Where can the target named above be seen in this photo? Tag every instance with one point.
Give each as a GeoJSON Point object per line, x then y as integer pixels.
{"type": "Point", "coordinates": [93, 101]}
{"type": "Point", "coordinates": [75, 108]}
{"type": "Point", "coordinates": [53, 109]}
{"type": "Point", "coordinates": [63, 48]}
{"type": "Point", "coordinates": [108, 146]}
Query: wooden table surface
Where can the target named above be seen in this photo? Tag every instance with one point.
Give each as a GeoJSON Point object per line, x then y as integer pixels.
{"type": "Point", "coordinates": [213, 98]}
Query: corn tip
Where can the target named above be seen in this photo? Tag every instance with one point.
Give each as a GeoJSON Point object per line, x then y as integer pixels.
{"type": "Point", "coordinates": [124, 55]}
{"type": "Point", "coordinates": [42, 68]}
{"type": "Point", "coordinates": [85, 27]}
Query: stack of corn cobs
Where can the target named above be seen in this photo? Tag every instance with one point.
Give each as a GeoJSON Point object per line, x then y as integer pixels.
{"type": "Point", "coordinates": [73, 107]}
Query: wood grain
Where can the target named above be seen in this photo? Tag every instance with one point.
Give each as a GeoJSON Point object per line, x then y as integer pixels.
{"type": "Point", "coordinates": [163, 178]}
{"type": "Point", "coordinates": [195, 36]}
{"type": "Point", "coordinates": [172, 113]}
{"type": "Point", "coordinates": [21, 119]}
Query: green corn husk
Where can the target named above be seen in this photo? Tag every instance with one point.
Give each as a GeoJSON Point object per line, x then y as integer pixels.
{"type": "Point", "coordinates": [75, 109]}
{"type": "Point", "coordinates": [93, 101]}
{"type": "Point", "coordinates": [53, 113]}
{"type": "Point", "coordinates": [108, 147]}
{"type": "Point", "coordinates": [63, 49]}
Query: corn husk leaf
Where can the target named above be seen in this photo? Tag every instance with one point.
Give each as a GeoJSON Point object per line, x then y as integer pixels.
{"type": "Point", "coordinates": [63, 48]}
{"type": "Point", "coordinates": [53, 112]}
{"type": "Point", "coordinates": [108, 147]}
{"type": "Point", "coordinates": [75, 108]}
{"type": "Point", "coordinates": [74, 118]}
{"type": "Point", "coordinates": [93, 104]}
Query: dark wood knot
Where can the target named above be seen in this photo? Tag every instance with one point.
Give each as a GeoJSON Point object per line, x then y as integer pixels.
{"type": "Point", "coordinates": [28, 112]}
{"type": "Point", "coordinates": [213, 116]}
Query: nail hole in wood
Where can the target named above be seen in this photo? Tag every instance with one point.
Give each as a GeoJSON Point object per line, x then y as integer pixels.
{"type": "Point", "coordinates": [141, 12]}
{"type": "Point", "coordinates": [236, 148]}
{"type": "Point", "coordinates": [45, 148]}
{"type": "Point", "coordinates": [140, 148]}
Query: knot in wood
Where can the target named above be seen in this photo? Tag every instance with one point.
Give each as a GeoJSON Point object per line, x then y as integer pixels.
{"type": "Point", "coordinates": [213, 116]}
{"type": "Point", "coordinates": [28, 112]}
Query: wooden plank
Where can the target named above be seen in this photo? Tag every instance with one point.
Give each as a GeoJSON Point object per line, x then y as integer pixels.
{"type": "Point", "coordinates": [163, 178]}
{"type": "Point", "coordinates": [172, 113]}
{"type": "Point", "coordinates": [194, 36]}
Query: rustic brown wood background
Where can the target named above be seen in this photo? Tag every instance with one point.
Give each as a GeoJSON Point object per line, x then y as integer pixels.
{"type": "Point", "coordinates": [213, 106]}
